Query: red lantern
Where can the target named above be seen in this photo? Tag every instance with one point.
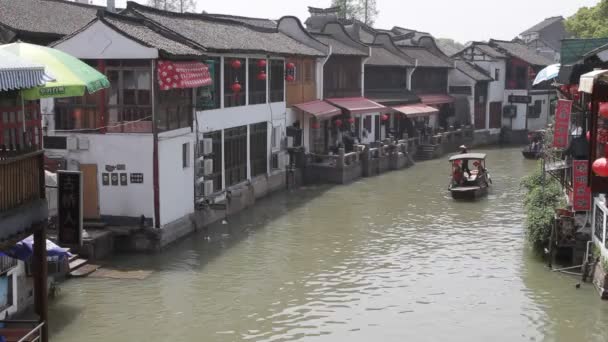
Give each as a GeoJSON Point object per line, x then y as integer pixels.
{"type": "Point", "coordinates": [604, 109]}
{"type": "Point", "coordinates": [236, 64]}
{"type": "Point", "coordinates": [351, 120]}
{"type": "Point", "coordinates": [290, 66]}
{"type": "Point", "coordinates": [261, 63]}
{"type": "Point", "coordinates": [574, 89]}
{"type": "Point", "coordinates": [600, 167]}
{"type": "Point", "coordinates": [262, 76]}
{"type": "Point", "coordinates": [588, 136]}
{"type": "Point", "coordinates": [338, 123]}
{"type": "Point", "coordinates": [289, 78]}
{"type": "Point", "coordinates": [564, 88]}
{"type": "Point", "coordinates": [384, 117]}
{"type": "Point", "coordinates": [236, 87]}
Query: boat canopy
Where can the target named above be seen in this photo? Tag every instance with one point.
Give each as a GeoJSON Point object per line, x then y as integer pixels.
{"type": "Point", "coordinates": [481, 156]}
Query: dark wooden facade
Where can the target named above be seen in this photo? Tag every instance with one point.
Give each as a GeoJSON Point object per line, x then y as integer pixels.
{"type": "Point", "coordinates": [304, 87]}
{"type": "Point", "coordinates": [480, 104]}
{"type": "Point", "coordinates": [430, 80]}
{"type": "Point", "coordinates": [342, 77]}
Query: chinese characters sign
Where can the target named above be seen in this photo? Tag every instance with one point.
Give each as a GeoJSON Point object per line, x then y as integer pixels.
{"type": "Point", "coordinates": [581, 193]}
{"type": "Point", "coordinates": [562, 123]}
{"type": "Point", "coordinates": [69, 207]}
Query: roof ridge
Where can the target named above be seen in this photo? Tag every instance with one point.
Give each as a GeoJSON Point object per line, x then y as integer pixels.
{"type": "Point", "coordinates": [74, 3]}
{"type": "Point", "coordinates": [236, 16]}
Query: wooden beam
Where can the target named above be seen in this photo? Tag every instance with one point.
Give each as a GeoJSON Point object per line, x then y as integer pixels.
{"type": "Point", "coordinates": [39, 263]}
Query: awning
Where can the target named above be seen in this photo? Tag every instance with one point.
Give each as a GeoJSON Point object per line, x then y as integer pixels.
{"type": "Point", "coordinates": [172, 75]}
{"type": "Point", "coordinates": [589, 79]}
{"type": "Point", "coordinates": [357, 105]}
{"type": "Point", "coordinates": [16, 73]}
{"type": "Point", "coordinates": [319, 109]}
{"type": "Point", "coordinates": [416, 110]}
{"type": "Point", "coordinates": [436, 99]}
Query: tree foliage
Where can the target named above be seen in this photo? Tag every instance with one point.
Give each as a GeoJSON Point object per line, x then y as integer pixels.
{"type": "Point", "coordinates": [362, 10]}
{"type": "Point", "coordinates": [173, 5]}
{"type": "Point", "coordinates": [589, 22]}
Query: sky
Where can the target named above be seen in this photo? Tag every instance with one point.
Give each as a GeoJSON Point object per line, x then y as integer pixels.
{"type": "Point", "coordinates": [461, 20]}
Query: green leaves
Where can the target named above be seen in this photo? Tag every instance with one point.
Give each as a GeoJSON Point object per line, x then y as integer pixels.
{"type": "Point", "coordinates": [589, 22]}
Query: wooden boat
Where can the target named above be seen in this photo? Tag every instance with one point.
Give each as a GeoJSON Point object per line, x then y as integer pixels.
{"type": "Point", "coordinates": [530, 154]}
{"type": "Point", "coordinates": [472, 183]}
{"type": "Point", "coordinates": [534, 150]}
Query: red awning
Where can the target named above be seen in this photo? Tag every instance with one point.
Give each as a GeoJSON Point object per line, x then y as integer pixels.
{"type": "Point", "coordinates": [435, 99]}
{"type": "Point", "coordinates": [357, 105]}
{"type": "Point", "coordinates": [416, 110]}
{"type": "Point", "coordinates": [319, 109]}
{"type": "Point", "coordinates": [172, 75]}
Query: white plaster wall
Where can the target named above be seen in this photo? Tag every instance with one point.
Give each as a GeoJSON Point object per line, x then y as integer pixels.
{"type": "Point", "coordinates": [98, 41]}
{"type": "Point", "coordinates": [542, 121]}
{"type": "Point", "coordinates": [458, 78]}
{"type": "Point", "coordinates": [217, 119]}
{"type": "Point", "coordinates": [176, 183]}
{"type": "Point", "coordinates": [496, 89]}
{"type": "Point", "coordinates": [519, 122]}
{"type": "Point", "coordinates": [133, 150]}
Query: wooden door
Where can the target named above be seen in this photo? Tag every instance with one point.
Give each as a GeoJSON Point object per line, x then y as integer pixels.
{"type": "Point", "coordinates": [90, 200]}
{"type": "Point", "coordinates": [495, 114]}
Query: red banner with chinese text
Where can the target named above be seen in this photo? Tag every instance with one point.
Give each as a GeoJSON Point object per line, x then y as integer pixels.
{"type": "Point", "coordinates": [581, 193]}
{"type": "Point", "coordinates": [562, 123]}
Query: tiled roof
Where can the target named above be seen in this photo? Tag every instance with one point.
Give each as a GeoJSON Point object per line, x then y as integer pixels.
{"type": "Point", "coordinates": [425, 57]}
{"type": "Point", "coordinates": [574, 49]}
{"type": "Point", "coordinates": [383, 57]}
{"type": "Point", "coordinates": [223, 35]}
{"type": "Point", "coordinates": [492, 52]}
{"type": "Point", "coordinates": [543, 24]}
{"type": "Point", "coordinates": [46, 16]}
{"type": "Point", "coordinates": [472, 70]}
{"type": "Point", "coordinates": [137, 30]}
{"type": "Point", "coordinates": [522, 52]}
{"type": "Point", "coordinates": [259, 22]}
{"type": "Point", "coordinates": [338, 47]}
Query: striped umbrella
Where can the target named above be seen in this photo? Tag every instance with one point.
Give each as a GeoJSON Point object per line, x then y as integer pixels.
{"type": "Point", "coordinates": [72, 76]}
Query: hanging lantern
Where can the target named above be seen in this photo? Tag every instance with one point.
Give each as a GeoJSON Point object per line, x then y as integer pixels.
{"type": "Point", "coordinates": [351, 120]}
{"type": "Point", "coordinates": [384, 117]}
{"type": "Point", "coordinates": [261, 63]}
{"type": "Point", "coordinates": [564, 88]}
{"type": "Point", "coordinates": [236, 64]}
{"type": "Point", "coordinates": [603, 111]}
{"type": "Point", "coordinates": [600, 167]}
{"type": "Point", "coordinates": [338, 123]}
{"type": "Point", "coordinates": [236, 87]}
{"type": "Point", "coordinates": [261, 76]}
{"type": "Point", "coordinates": [602, 135]}
{"type": "Point", "coordinates": [573, 89]}
{"type": "Point", "coordinates": [289, 78]}
{"type": "Point", "coordinates": [588, 135]}
{"type": "Point", "coordinates": [290, 66]}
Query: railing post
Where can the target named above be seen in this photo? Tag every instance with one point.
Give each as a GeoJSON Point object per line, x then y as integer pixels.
{"type": "Point", "coordinates": [39, 263]}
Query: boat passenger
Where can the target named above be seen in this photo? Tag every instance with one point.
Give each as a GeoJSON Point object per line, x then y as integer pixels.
{"type": "Point", "coordinates": [457, 176]}
{"type": "Point", "coordinates": [465, 162]}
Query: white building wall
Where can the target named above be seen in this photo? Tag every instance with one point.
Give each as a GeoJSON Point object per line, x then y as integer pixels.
{"type": "Point", "coordinates": [542, 121]}
{"type": "Point", "coordinates": [519, 121]}
{"type": "Point", "coordinates": [135, 151]}
{"type": "Point", "coordinates": [460, 79]}
{"type": "Point", "coordinates": [218, 119]}
{"type": "Point", "coordinates": [496, 89]}
{"type": "Point", "coordinates": [22, 287]}
{"type": "Point", "coordinates": [176, 183]}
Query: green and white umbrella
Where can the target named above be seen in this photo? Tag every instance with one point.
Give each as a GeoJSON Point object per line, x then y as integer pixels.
{"type": "Point", "coordinates": [72, 76]}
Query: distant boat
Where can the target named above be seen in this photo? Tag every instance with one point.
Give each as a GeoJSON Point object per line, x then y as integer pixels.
{"type": "Point", "coordinates": [534, 150]}
{"type": "Point", "coordinates": [475, 182]}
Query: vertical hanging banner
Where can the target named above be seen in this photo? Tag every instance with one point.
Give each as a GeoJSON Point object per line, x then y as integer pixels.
{"type": "Point", "coordinates": [562, 123]}
{"type": "Point", "coordinates": [69, 207]}
{"type": "Point", "coordinates": [581, 193]}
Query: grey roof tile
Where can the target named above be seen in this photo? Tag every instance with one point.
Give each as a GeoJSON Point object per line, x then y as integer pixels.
{"type": "Point", "coordinates": [383, 57]}
{"type": "Point", "coordinates": [472, 70]}
{"type": "Point", "coordinates": [259, 22]}
{"type": "Point", "coordinates": [540, 26]}
{"type": "Point", "coordinates": [425, 57]}
{"type": "Point", "coordinates": [522, 52]}
{"type": "Point", "coordinates": [223, 35]}
{"type": "Point", "coordinates": [46, 16]}
{"type": "Point", "coordinates": [338, 47]}
{"type": "Point", "coordinates": [484, 47]}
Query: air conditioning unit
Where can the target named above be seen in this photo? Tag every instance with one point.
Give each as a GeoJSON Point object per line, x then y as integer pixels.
{"type": "Point", "coordinates": [71, 143]}
{"type": "Point", "coordinates": [207, 188]}
{"type": "Point", "coordinates": [282, 160]}
{"type": "Point", "coordinates": [207, 146]}
{"type": "Point", "coordinates": [207, 167]}
{"type": "Point", "coordinates": [289, 142]}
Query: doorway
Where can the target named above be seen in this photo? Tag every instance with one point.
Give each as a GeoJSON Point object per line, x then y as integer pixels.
{"type": "Point", "coordinates": [90, 201]}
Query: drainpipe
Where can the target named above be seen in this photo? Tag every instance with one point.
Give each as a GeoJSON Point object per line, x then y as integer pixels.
{"type": "Point", "coordinates": [409, 78]}
{"type": "Point", "coordinates": [369, 55]}
{"type": "Point", "coordinates": [320, 88]}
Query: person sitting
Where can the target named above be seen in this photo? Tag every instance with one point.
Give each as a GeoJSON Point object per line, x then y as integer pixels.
{"type": "Point", "coordinates": [465, 162]}
{"type": "Point", "coordinates": [457, 176]}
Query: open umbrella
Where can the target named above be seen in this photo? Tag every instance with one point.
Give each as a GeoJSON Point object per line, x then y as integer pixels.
{"type": "Point", "coordinates": [24, 249]}
{"type": "Point", "coordinates": [72, 76]}
{"type": "Point", "coordinates": [548, 73]}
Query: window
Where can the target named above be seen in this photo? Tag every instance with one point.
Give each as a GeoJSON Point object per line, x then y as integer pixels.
{"type": "Point", "coordinates": [209, 97]}
{"type": "Point", "coordinates": [258, 142]}
{"type": "Point", "coordinates": [257, 81]}
{"type": "Point", "coordinates": [367, 123]}
{"type": "Point", "coordinates": [175, 109]}
{"type": "Point", "coordinates": [277, 80]}
{"type": "Point", "coordinates": [234, 73]}
{"type": "Point", "coordinates": [216, 176]}
{"type": "Point", "coordinates": [186, 155]}
{"type": "Point", "coordinates": [235, 154]}
{"type": "Point", "coordinates": [535, 110]}
{"type": "Point", "coordinates": [377, 127]}
{"type": "Point", "coordinates": [276, 138]}
{"type": "Point", "coordinates": [309, 71]}
{"type": "Point", "coordinates": [497, 74]}
{"type": "Point", "coordinates": [6, 291]}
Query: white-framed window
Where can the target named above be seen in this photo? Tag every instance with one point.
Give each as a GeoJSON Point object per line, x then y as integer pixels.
{"type": "Point", "coordinates": [185, 155]}
{"type": "Point", "coordinates": [276, 138]}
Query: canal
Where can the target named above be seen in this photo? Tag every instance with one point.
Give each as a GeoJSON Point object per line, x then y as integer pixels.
{"type": "Point", "coordinates": [390, 257]}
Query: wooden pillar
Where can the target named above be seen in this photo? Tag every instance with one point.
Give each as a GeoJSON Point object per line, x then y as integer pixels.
{"type": "Point", "coordinates": [39, 264]}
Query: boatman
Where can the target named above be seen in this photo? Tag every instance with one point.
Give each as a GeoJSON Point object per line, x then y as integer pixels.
{"type": "Point", "coordinates": [465, 162]}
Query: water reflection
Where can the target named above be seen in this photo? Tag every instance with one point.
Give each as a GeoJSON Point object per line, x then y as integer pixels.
{"type": "Point", "coordinates": [389, 257]}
